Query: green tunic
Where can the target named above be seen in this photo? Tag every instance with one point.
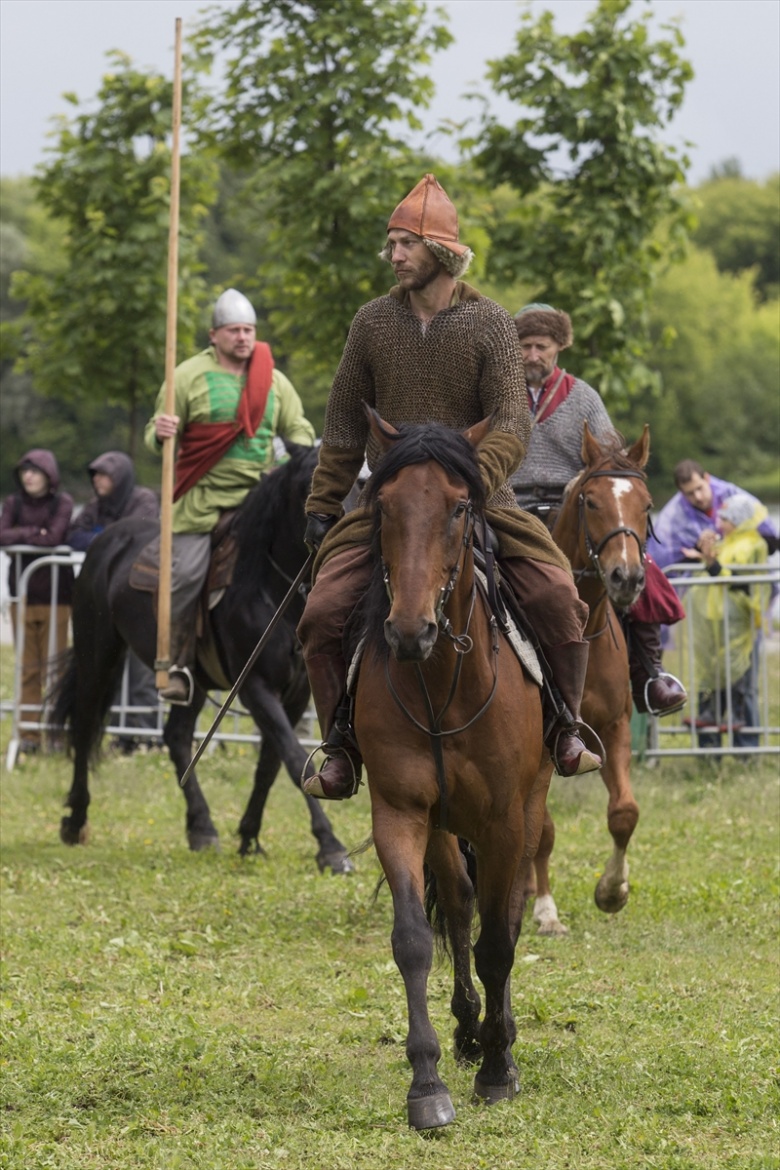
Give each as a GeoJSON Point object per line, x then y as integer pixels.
{"type": "Point", "coordinates": [204, 392]}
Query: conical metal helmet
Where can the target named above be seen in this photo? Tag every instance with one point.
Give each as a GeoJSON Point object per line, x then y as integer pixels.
{"type": "Point", "coordinates": [232, 308]}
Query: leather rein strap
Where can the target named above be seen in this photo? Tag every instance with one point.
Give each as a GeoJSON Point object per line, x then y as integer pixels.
{"type": "Point", "coordinates": [462, 644]}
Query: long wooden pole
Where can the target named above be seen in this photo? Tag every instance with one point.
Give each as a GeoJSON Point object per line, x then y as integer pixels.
{"type": "Point", "coordinates": [163, 660]}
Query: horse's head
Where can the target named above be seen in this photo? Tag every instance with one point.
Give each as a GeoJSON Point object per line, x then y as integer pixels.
{"type": "Point", "coordinates": [426, 492]}
{"type": "Point", "coordinates": [612, 512]}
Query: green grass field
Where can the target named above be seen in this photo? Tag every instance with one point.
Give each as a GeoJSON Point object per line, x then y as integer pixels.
{"type": "Point", "coordinates": [164, 1010]}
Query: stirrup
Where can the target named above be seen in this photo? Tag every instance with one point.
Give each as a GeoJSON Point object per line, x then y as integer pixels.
{"type": "Point", "coordinates": [669, 710]}
{"type": "Point", "coordinates": [576, 725]}
{"type": "Point", "coordinates": [185, 673]}
{"type": "Point", "coordinates": [312, 785]}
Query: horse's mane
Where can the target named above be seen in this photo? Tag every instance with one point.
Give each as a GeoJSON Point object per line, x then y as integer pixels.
{"type": "Point", "coordinates": [418, 443]}
{"type": "Point", "coordinates": [257, 522]}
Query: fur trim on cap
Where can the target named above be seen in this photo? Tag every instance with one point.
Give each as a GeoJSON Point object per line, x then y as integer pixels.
{"type": "Point", "coordinates": [544, 321]}
{"type": "Point", "coordinates": [456, 265]}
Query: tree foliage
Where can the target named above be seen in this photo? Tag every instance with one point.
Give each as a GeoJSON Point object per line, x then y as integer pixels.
{"type": "Point", "coordinates": [313, 92]}
{"type": "Point", "coordinates": [720, 369]}
{"type": "Point", "coordinates": [596, 182]}
{"type": "Point", "coordinates": [739, 222]}
{"type": "Point", "coordinates": [96, 328]}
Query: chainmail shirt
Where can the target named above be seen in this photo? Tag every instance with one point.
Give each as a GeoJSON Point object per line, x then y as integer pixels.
{"type": "Point", "coordinates": [462, 366]}
{"type": "Point", "coordinates": [554, 454]}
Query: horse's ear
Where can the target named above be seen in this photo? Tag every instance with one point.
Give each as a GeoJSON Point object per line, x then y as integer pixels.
{"type": "Point", "coordinates": [640, 452]}
{"type": "Point", "coordinates": [477, 433]}
{"type": "Point", "coordinates": [591, 449]}
{"type": "Point", "coordinates": [383, 432]}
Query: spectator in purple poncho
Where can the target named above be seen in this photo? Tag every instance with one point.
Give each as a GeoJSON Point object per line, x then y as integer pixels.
{"type": "Point", "coordinates": [692, 512]}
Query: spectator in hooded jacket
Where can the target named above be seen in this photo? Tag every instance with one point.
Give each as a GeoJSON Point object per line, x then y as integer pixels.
{"type": "Point", "coordinates": [118, 498]}
{"type": "Point", "coordinates": [37, 513]}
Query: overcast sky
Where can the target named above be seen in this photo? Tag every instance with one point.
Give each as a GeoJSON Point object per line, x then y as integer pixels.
{"type": "Point", "coordinates": [731, 109]}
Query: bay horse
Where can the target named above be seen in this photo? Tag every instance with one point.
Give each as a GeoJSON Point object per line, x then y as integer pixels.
{"type": "Point", "coordinates": [602, 526]}
{"type": "Point", "coordinates": [450, 730]}
{"type": "Point", "coordinates": [109, 615]}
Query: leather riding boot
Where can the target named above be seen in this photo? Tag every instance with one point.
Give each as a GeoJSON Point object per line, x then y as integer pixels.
{"type": "Point", "coordinates": [181, 684]}
{"type": "Point", "coordinates": [571, 756]}
{"type": "Point", "coordinates": [339, 776]}
{"type": "Point", "coordinates": [654, 691]}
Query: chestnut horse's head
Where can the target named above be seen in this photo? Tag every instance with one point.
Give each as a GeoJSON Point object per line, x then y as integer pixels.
{"type": "Point", "coordinates": [607, 512]}
{"type": "Point", "coordinates": [426, 492]}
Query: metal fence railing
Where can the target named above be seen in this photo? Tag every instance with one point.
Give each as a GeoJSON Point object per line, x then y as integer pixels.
{"type": "Point", "coordinates": [237, 727]}
{"type": "Point", "coordinates": [730, 710]}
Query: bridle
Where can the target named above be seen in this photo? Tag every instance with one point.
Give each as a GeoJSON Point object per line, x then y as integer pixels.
{"type": "Point", "coordinates": [594, 551]}
{"type": "Point", "coordinates": [462, 644]}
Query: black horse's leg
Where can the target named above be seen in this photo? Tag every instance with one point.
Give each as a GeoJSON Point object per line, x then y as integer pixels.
{"type": "Point", "coordinates": [268, 765]}
{"type": "Point", "coordinates": [497, 1079]}
{"type": "Point", "coordinates": [84, 697]}
{"type": "Point", "coordinates": [276, 723]}
{"type": "Point", "coordinates": [178, 735]}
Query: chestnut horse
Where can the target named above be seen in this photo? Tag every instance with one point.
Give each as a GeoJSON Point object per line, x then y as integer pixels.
{"type": "Point", "coordinates": [602, 527]}
{"type": "Point", "coordinates": [450, 729]}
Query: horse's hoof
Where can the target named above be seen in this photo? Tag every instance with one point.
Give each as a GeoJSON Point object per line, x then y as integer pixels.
{"type": "Point", "coordinates": [250, 846]}
{"type": "Point", "coordinates": [492, 1094]}
{"type": "Point", "coordinates": [470, 1052]}
{"type": "Point", "coordinates": [611, 899]}
{"type": "Point", "coordinates": [69, 835]}
{"type": "Point", "coordinates": [430, 1112]}
{"type": "Point", "coordinates": [338, 863]}
{"type": "Point", "coordinates": [552, 928]}
{"type": "Point", "coordinates": [198, 842]}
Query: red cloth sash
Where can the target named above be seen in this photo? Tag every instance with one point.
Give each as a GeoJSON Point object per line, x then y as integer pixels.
{"type": "Point", "coordinates": [658, 601]}
{"type": "Point", "coordinates": [203, 444]}
{"type": "Point", "coordinates": [557, 389]}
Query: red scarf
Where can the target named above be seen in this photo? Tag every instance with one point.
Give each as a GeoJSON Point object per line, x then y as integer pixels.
{"type": "Point", "coordinates": [556, 390]}
{"type": "Point", "coordinates": [204, 444]}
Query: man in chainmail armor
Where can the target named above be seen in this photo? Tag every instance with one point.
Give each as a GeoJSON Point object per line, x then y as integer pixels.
{"type": "Point", "coordinates": [560, 404]}
{"type": "Point", "coordinates": [433, 349]}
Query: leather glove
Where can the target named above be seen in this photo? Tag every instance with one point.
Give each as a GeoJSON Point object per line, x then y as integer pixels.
{"type": "Point", "coordinates": [318, 526]}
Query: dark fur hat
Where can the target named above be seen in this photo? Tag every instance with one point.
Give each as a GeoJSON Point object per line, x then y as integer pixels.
{"type": "Point", "coordinates": [543, 320]}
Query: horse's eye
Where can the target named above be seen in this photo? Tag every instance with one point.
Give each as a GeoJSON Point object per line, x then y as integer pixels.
{"type": "Point", "coordinates": [460, 507]}
{"type": "Point", "coordinates": [589, 503]}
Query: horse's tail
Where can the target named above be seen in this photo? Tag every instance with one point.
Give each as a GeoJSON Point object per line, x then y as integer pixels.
{"type": "Point", "coordinates": [433, 910]}
{"type": "Point", "coordinates": [61, 699]}
{"type": "Point", "coordinates": [82, 720]}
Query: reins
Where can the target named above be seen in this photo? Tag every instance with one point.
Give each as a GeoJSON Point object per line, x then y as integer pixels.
{"type": "Point", "coordinates": [462, 644]}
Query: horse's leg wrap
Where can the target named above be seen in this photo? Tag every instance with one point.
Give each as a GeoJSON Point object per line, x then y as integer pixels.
{"type": "Point", "coordinates": [568, 665]}
{"type": "Point", "coordinates": [339, 776]}
{"type": "Point", "coordinates": [654, 690]}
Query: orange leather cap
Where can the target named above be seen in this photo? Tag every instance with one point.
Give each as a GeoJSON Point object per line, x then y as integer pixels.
{"type": "Point", "coordinates": [429, 212]}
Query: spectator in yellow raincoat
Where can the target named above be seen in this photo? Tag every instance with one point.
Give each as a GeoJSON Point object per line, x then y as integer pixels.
{"type": "Point", "coordinates": [737, 544]}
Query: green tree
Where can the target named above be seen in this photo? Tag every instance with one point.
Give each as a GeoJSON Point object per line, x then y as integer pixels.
{"type": "Point", "coordinates": [313, 90]}
{"type": "Point", "coordinates": [739, 222]}
{"type": "Point", "coordinates": [601, 209]}
{"type": "Point", "coordinates": [95, 329]}
{"type": "Point", "coordinates": [720, 370]}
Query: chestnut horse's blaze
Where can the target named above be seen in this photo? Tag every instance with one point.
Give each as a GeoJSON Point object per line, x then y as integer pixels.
{"type": "Point", "coordinates": [450, 728]}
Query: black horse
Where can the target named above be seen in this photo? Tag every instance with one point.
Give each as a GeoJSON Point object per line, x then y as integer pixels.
{"type": "Point", "coordinates": [109, 615]}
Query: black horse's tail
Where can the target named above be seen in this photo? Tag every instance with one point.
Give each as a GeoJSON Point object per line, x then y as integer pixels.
{"type": "Point", "coordinates": [433, 910]}
{"type": "Point", "coordinates": [81, 720]}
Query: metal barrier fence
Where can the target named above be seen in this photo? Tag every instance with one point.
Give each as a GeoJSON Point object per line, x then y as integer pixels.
{"type": "Point", "coordinates": [32, 718]}
{"type": "Point", "coordinates": [734, 715]}
{"type": "Point", "coordinates": [689, 735]}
